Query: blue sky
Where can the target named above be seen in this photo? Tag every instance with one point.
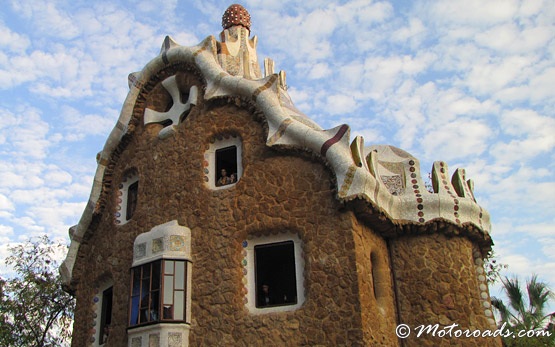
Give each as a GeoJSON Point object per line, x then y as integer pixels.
{"type": "Point", "coordinates": [469, 82]}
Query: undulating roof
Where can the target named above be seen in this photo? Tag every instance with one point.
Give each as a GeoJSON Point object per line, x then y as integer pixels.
{"type": "Point", "coordinates": [387, 179]}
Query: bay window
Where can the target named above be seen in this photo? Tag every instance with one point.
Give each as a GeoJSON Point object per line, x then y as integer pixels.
{"type": "Point", "coordinates": [158, 292]}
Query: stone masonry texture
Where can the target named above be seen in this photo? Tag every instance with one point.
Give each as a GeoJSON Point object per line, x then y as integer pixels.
{"type": "Point", "coordinates": [357, 283]}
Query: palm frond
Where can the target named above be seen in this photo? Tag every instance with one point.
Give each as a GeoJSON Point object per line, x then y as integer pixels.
{"type": "Point", "coordinates": [514, 293]}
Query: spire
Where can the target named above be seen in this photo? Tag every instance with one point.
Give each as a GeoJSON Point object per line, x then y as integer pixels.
{"type": "Point", "coordinates": [237, 52]}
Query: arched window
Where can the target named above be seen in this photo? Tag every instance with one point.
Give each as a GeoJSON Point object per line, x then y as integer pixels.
{"type": "Point", "coordinates": [128, 194]}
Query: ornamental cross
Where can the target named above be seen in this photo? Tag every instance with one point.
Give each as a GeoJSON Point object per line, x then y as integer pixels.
{"type": "Point", "coordinates": [179, 110]}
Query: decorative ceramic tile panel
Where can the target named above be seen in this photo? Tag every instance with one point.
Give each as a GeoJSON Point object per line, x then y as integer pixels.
{"type": "Point", "coordinates": [158, 245]}
{"type": "Point", "coordinates": [154, 340]}
{"type": "Point", "coordinates": [175, 340]}
{"type": "Point", "coordinates": [140, 250]}
{"type": "Point", "coordinates": [136, 341]}
{"type": "Point", "coordinates": [177, 243]}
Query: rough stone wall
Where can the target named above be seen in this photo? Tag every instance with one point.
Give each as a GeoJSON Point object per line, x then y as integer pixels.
{"type": "Point", "coordinates": [278, 192]}
{"type": "Point", "coordinates": [436, 282]}
{"type": "Point", "coordinates": [375, 287]}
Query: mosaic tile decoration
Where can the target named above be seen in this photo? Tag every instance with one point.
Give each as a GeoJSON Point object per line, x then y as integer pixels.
{"type": "Point", "coordinates": [394, 184]}
{"type": "Point", "coordinates": [158, 245]}
{"type": "Point", "coordinates": [140, 251]}
{"type": "Point", "coordinates": [175, 340]}
{"type": "Point", "coordinates": [154, 340]}
{"type": "Point", "coordinates": [136, 341]}
{"type": "Point", "coordinates": [177, 243]}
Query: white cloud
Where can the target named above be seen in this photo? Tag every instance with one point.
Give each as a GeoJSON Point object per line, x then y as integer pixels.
{"type": "Point", "coordinates": [532, 135]}
{"type": "Point", "coordinates": [56, 177]}
{"type": "Point", "coordinates": [524, 264]}
{"type": "Point", "coordinates": [340, 104]}
{"type": "Point", "coordinates": [473, 12]}
{"type": "Point", "coordinates": [510, 38]}
{"type": "Point", "coordinates": [520, 122]}
{"type": "Point", "coordinates": [78, 126]}
{"type": "Point", "coordinates": [47, 18]}
{"type": "Point", "coordinates": [318, 71]}
{"type": "Point", "coordinates": [25, 134]}
{"type": "Point", "coordinates": [382, 73]}
{"type": "Point", "coordinates": [362, 13]}
{"type": "Point", "coordinates": [12, 41]}
{"type": "Point", "coordinates": [6, 204]}
{"type": "Point", "coordinates": [414, 31]}
{"type": "Point", "coordinates": [490, 77]}
{"type": "Point", "coordinates": [456, 140]}
{"type": "Point", "coordinates": [56, 217]}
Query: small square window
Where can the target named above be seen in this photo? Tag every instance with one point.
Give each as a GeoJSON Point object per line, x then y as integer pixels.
{"type": "Point", "coordinates": [275, 277]}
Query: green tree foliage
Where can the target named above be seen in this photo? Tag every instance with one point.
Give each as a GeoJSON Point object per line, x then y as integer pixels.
{"type": "Point", "coordinates": [34, 310]}
{"type": "Point", "coordinates": [526, 311]}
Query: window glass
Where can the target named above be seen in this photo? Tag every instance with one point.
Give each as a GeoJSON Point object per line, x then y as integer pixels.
{"type": "Point", "coordinates": [226, 166]}
{"type": "Point", "coordinates": [168, 290]}
{"type": "Point", "coordinates": [132, 194]}
{"type": "Point", "coordinates": [275, 275]}
{"type": "Point", "coordinates": [168, 264]}
{"type": "Point", "coordinates": [179, 305]}
{"type": "Point", "coordinates": [106, 315]}
{"type": "Point", "coordinates": [180, 275]}
{"type": "Point", "coordinates": [135, 296]}
{"type": "Point", "coordinates": [145, 294]}
{"type": "Point", "coordinates": [158, 292]}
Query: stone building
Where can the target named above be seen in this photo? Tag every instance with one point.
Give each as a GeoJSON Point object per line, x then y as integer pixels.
{"type": "Point", "coordinates": [220, 215]}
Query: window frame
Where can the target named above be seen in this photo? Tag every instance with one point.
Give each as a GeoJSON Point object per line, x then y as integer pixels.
{"type": "Point", "coordinates": [277, 295]}
{"type": "Point", "coordinates": [130, 180]}
{"type": "Point", "coordinates": [231, 169]}
{"type": "Point", "coordinates": [159, 292]}
{"type": "Point", "coordinates": [100, 311]}
{"type": "Point", "coordinates": [211, 165]}
{"type": "Point", "coordinates": [132, 199]}
{"type": "Point", "coordinates": [249, 264]}
{"type": "Point", "coordinates": [105, 316]}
